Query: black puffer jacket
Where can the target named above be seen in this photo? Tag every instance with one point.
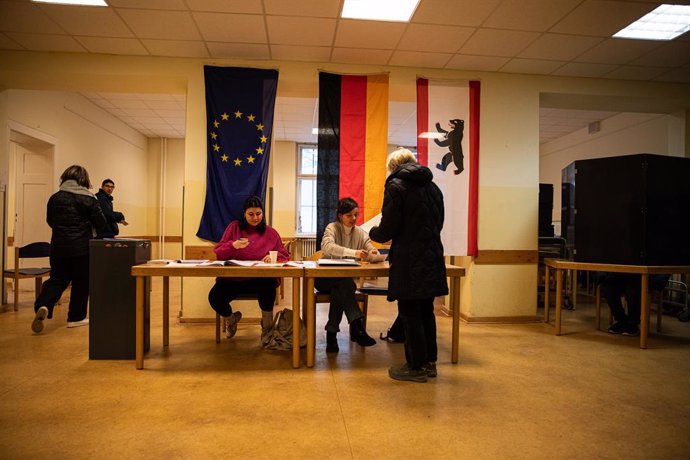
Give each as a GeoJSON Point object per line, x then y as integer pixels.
{"type": "Point", "coordinates": [412, 217]}
{"type": "Point", "coordinates": [73, 219]}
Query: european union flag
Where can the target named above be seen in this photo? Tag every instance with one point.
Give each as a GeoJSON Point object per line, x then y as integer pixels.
{"type": "Point", "coordinates": [239, 123]}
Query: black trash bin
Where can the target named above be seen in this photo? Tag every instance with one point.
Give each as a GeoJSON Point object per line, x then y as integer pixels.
{"type": "Point", "coordinates": [112, 294]}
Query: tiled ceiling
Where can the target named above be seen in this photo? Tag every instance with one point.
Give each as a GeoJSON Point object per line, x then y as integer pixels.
{"type": "Point", "coordinates": [544, 37]}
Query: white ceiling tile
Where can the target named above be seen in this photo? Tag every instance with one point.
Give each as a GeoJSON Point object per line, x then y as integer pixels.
{"type": "Point", "coordinates": [635, 73]}
{"type": "Point", "coordinates": [237, 50]}
{"type": "Point", "coordinates": [531, 66]}
{"type": "Point", "coordinates": [284, 30]}
{"type": "Point", "coordinates": [368, 34]}
{"type": "Point", "coordinates": [454, 12]}
{"type": "Point", "coordinates": [226, 6]}
{"type": "Point", "coordinates": [173, 25]}
{"type": "Point", "coordinates": [357, 56]}
{"type": "Point", "coordinates": [300, 53]}
{"type": "Point", "coordinates": [481, 63]}
{"type": "Point", "coordinates": [92, 21]}
{"type": "Point", "coordinates": [434, 38]}
{"type": "Point", "coordinates": [505, 43]}
{"type": "Point", "coordinates": [419, 59]}
{"type": "Point", "coordinates": [112, 45]}
{"type": "Point", "coordinates": [176, 48]}
{"type": "Point", "coordinates": [162, 105]}
{"type": "Point", "coordinates": [144, 115]}
{"type": "Point", "coordinates": [578, 69]}
{"type": "Point", "coordinates": [675, 75]}
{"type": "Point", "coordinates": [669, 54]}
{"type": "Point", "coordinates": [559, 47]}
{"type": "Point", "coordinates": [312, 8]}
{"type": "Point", "coordinates": [47, 42]}
{"type": "Point", "coordinates": [601, 18]}
{"type": "Point", "coordinates": [237, 28]}
{"type": "Point", "coordinates": [617, 51]}
{"type": "Point", "coordinates": [529, 15]}
{"type": "Point", "coordinates": [126, 103]}
{"type": "Point", "coordinates": [7, 43]}
{"type": "Point", "coordinates": [26, 17]}
{"type": "Point", "coordinates": [149, 4]}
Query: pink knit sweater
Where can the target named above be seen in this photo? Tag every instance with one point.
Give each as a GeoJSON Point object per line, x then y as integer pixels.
{"type": "Point", "coordinates": [258, 248]}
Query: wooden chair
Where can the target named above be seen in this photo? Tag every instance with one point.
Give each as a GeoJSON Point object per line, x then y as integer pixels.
{"type": "Point", "coordinates": [289, 244]}
{"type": "Point", "coordinates": [29, 251]}
{"type": "Point", "coordinates": [322, 297]}
{"type": "Point", "coordinates": [207, 253]}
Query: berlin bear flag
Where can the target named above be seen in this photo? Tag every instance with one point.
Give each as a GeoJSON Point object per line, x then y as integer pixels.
{"type": "Point", "coordinates": [239, 123]}
{"type": "Point", "coordinates": [448, 143]}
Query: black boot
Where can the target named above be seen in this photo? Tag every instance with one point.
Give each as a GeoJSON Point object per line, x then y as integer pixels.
{"type": "Point", "coordinates": [331, 343]}
{"type": "Point", "coordinates": [359, 335]}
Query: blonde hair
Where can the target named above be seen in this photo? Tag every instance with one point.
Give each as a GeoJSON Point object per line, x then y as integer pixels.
{"type": "Point", "coordinates": [398, 157]}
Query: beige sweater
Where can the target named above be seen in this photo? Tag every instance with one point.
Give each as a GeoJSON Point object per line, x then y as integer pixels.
{"type": "Point", "coordinates": [339, 241]}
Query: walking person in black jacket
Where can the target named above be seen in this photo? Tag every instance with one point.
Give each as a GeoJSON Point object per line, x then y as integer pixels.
{"type": "Point", "coordinates": [75, 217]}
{"type": "Point", "coordinates": [412, 219]}
{"type": "Point", "coordinates": [112, 218]}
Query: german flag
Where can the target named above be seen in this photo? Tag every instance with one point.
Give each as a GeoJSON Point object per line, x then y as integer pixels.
{"type": "Point", "coordinates": [353, 142]}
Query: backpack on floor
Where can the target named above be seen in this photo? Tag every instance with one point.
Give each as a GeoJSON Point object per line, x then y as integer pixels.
{"type": "Point", "coordinates": [396, 333]}
{"type": "Point", "coordinates": [280, 336]}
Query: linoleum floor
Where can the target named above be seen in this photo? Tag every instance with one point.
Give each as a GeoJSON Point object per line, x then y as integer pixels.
{"type": "Point", "coordinates": [517, 392]}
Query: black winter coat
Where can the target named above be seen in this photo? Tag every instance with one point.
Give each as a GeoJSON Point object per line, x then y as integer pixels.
{"type": "Point", "coordinates": [111, 217]}
{"type": "Point", "coordinates": [412, 217]}
{"type": "Point", "coordinates": [73, 218]}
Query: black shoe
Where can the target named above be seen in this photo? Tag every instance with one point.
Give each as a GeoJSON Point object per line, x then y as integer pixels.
{"type": "Point", "coordinates": [631, 331]}
{"type": "Point", "coordinates": [359, 335]}
{"type": "Point", "coordinates": [404, 373]}
{"type": "Point", "coordinates": [430, 369]}
{"type": "Point", "coordinates": [618, 328]}
{"type": "Point", "coordinates": [331, 343]}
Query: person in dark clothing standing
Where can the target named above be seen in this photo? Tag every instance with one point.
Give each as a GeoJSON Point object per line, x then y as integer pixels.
{"type": "Point", "coordinates": [412, 219]}
{"type": "Point", "coordinates": [74, 217]}
{"type": "Point", "coordinates": [105, 199]}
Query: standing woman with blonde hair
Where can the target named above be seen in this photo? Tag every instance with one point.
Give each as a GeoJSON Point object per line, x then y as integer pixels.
{"type": "Point", "coordinates": [75, 217]}
{"type": "Point", "coordinates": [412, 218]}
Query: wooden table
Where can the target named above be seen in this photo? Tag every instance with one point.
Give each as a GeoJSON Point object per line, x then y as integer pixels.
{"type": "Point", "coordinates": [643, 270]}
{"type": "Point", "coordinates": [166, 271]}
{"type": "Point", "coordinates": [369, 270]}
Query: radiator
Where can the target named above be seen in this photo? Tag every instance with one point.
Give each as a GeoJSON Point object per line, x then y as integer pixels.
{"type": "Point", "coordinates": [306, 247]}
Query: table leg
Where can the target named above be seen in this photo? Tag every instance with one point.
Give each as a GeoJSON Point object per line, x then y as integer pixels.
{"type": "Point", "coordinates": [559, 299]}
{"type": "Point", "coordinates": [644, 310]}
{"type": "Point", "coordinates": [166, 311]}
{"type": "Point", "coordinates": [574, 285]}
{"type": "Point", "coordinates": [295, 323]}
{"type": "Point", "coordinates": [456, 320]}
{"type": "Point", "coordinates": [311, 322]}
{"type": "Point", "coordinates": [139, 352]}
{"type": "Point", "coordinates": [547, 289]}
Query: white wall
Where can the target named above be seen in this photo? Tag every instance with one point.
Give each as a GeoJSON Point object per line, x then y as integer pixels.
{"type": "Point", "coordinates": [623, 134]}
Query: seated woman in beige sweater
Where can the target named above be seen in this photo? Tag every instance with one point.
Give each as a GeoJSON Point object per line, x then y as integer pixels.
{"type": "Point", "coordinates": [342, 239]}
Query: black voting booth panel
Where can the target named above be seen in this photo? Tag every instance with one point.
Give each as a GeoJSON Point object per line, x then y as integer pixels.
{"type": "Point", "coordinates": [112, 290]}
{"type": "Point", "coordinates": [632, 210]}
{"type": "Point", "coordinates": [545, 210]}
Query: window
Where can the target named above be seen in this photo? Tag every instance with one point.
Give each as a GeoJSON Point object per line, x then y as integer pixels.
{"type": "Point", "coordinates": [307, 157]}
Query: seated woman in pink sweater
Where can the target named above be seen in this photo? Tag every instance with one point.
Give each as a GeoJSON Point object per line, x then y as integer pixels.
{"type": "Point", "coordinates": [248, 238]}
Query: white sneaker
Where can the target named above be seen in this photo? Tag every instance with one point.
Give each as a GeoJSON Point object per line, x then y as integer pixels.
{"type": "Point", "coordinates": [84, 322]}
{"type": "Point", "coordinates": [231, 324]}
{"type": "Point", "coordinates": [37, 323]}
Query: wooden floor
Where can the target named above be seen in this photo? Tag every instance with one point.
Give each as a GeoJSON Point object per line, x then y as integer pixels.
{"type": "Point", "coordinates": [517, 392]}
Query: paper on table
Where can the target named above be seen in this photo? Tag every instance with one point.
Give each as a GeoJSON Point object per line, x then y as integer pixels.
{"type": "Point", "coordinates": [373, 222]}
{"type": "Point", "coordinates": [252, 263]}
{"type": "Point", "coordinates": [338, 262]}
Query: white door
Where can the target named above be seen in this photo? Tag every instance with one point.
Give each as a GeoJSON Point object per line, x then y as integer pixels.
{"type": "Point", "coordinates": [34, 177]}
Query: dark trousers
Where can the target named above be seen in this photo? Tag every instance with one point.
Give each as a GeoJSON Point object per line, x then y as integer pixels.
{"type": "Point", "coordinates": [342, 292]}
{"type": "Point", "coordinates": [616, 285]}
{"type": "Point", "coordinates": [420, 331]}
{"type": "Point", "coordinates": [227, 289]}
{"type": "Point", "coordinates": [63, 271]}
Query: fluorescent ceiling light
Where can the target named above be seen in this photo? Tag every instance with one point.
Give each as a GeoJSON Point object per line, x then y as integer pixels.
{"type": "Point", "coordinates": [380, 10]}
{"type": "Point", "coordinates": [666, 22]}
{"type": "Point", "coordinates": [315, 130]}
{"type": "Point", "coordinates": [74, 2]}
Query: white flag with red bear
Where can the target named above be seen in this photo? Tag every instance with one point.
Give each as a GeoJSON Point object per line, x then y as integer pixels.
{"type": "Point", "coordinates": [448, 143]}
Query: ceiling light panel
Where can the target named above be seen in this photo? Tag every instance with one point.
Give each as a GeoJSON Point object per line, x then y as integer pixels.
{"type": "Point", "coordinates": [380, 10]}
{"type": "Point", "coordinates": [666, 22]}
